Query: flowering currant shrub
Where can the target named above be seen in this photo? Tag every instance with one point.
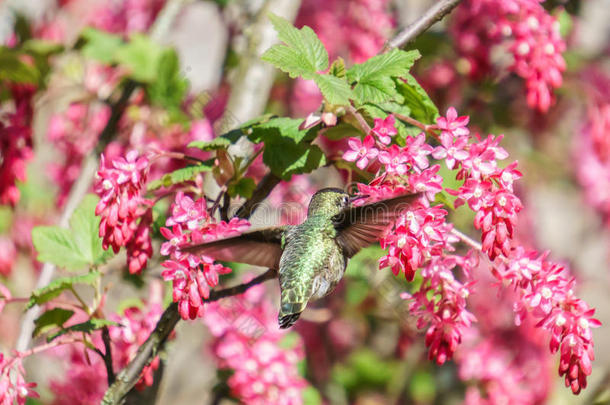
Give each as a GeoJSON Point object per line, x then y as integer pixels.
{"type": "Point", "coordinates": [114, 168]}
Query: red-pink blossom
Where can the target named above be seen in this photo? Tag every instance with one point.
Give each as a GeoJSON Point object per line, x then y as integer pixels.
{"type": "Point", "coordinates": [362, 152]}
{"type": "Point", "coordinates": [384, 129]}
{"type": "Point", "coordinates": [13, 387]}
{"type": "Point", "coordinates": [248, 341]}
{"type": "Point", "coordinates": [8, 254]}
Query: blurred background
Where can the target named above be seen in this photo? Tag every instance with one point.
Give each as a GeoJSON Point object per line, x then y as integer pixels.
{"type": "Point", "coordinates": [360, 345]}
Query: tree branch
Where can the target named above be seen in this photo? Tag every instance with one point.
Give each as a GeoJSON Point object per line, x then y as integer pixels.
{"type": "Point", "coordinates": [262, 190]}
{"type": "Point", "coordinates": [130, 375]}
{"type": "Point", "coordinates": [108, 354]}
{"type": "Point", "coordinates": [435, 13]}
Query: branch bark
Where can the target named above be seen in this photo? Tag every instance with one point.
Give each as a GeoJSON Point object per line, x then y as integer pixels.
{"type": "Point", "coordinates": [130, 375]}
{"type": "Point", "coordinates": [434, 14]}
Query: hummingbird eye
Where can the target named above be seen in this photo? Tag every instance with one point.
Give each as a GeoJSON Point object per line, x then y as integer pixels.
{"type": "Point", "coordinates": [345, 200]}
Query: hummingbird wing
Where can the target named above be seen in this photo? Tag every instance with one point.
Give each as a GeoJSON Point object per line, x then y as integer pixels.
{"type": "Point", "coordinates": [262, 247]}
{"type": "Point", "coordinates": [359, 227]}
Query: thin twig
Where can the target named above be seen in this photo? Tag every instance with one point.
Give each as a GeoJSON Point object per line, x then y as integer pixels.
{"type": "Point", "coordinates": [261, 192]}
{"type": "Point", "coordinates": [130, 375]}
{"type": "Point", "coordinates": [108, 355]}
{"type": "Point", "coordinates": [435, 13]}
{"type": "Point", "coordinates": [361, 121]}
{"type": "Point", "coordinates": [467, 240]}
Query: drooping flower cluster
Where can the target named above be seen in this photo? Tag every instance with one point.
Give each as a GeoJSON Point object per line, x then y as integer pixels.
{"type": "Point", "coordinates": [120, 186]}
{"type": "Point", "coordinates": [422, 239]}
{"type": "Point", "coordinates": [500, 362]}
{"type": "Point", "coordinates": [15, 142]}
{"type": "Point", "coordinates": [525, 30]}
{"type": "Point", "coordinates": [592, 142]}
{"type": "Point", "coordinates": [13, 387]}
{"type": "Point", "coordinates": [85, 379]}
{"type": "Point", "coordinates": [263, 357]}
{"type": "Point", "coordinates": [192, 275]}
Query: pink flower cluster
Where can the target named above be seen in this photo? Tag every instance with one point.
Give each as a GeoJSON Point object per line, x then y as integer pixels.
{"type": "Point", "coordinates": [120, 186]}
{"type": "Point", "coordinates": [8, 255]}
{"type": "Point", "coordinates": [126, 17]}
{"type": "Point", "coordinates": [500, 362]}
{"type": "Point", "coordinates": [527, 32]}
{"type": "Point", "coordinates": [15, 143]}
{"type": "Point", "coordinates": [248, 341]}
{"type": "Point", "coordinates": [422, 239]}
{"type": "Point", "coordinates": [85, 380]}
{"type": "Point", "coordinates": [74, 133]}
{"type": "Point", "coordinates": [292, 198]}
{"type": "Point", "coordinates": [13, 387]}
{"type": "Point", "coordinates": [592, 142]}
{"type": "Point", "coordinates": [192, 276]}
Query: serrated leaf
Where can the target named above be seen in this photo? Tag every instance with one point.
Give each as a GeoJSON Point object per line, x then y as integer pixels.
{"type": "Point", "coordinates": [373, 78]}
{"type": "Point", "coordinates": [53, 318]}
{"type": "Point", "coordinates": [169, 87]}
{"type": "Point", "coordinates": [303, 53]}
{"type": "Point", "coordinates": [59, 285]}
{"type": "Point", "coordinates": [343, 130]}
{"type": "Point", "coordinates": [335, 90]}
{"type": "Point", "coordinates": [186, 173]}
{"type": "Point", "coordinates": [415, 97]}
{"type": "Point", "coordinates": [221, 142]}
{"type": "Point", "coordinates": [141, 56]}
{"type": "Point", "coordinates": [285, 158]}
{"type": "Point", "coordinates": [85, 228]}
{"type": "Point", "coordinates": [73, 248]}
{"type": "Point", "coordinates": [337, 68]}
{"type": "Point", "coordinates": [86, 327]}
{"type": "Point", "coordinates": [57, 245]}
{"type": "Point", "coordinates": [100, 45]}
{"type": "Point", "coordinates": [283, 127]}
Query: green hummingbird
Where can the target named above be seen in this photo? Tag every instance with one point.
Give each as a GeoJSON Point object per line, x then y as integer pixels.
{"type": "Point", "coordinates": [311, 257]}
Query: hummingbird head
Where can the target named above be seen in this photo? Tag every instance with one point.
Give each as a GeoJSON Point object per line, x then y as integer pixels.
{"type": "Point", "coordinates": [329, 201]}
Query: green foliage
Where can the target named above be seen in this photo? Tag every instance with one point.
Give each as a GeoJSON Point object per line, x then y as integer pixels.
{"type": "Point", "coordinates": [53, 318]}
{"type": "Point", "coordinates": [364, 370]}
{"type": "Point", "coordinates": [422, 387]}
{"type": "Point", "coordinates": [311, 396]}
{"type": "Point", "coordinates": [221, 142]}
{"type": "Point", "coordinates": [243, 187]}
{"type": "Point", "coordinates": [303, 53]}
{"type": "Point", "coordinates": [59, 285]}
{"type": "Point", "coordinates": [100, 45]}
{"type": "Point", "coordinates": [14, 69]}
{"type": "Point", "coordinates": [415, 97]}
{"type": "Point", "coordinates": [181, 175]}
{"type": "Point", "coordinates": [89, 326]}
{"type": "Point", "coordinates": [169, 88]}
{"type": "Point", "coordinates": [372, 79]}
{"type": "Point", "coordinates": [286, 158]}
{"type": "Point", "coordinates": [141, 56]}
{"type": "Point", "coordinates": [335, 90]}
{"type": "Point", "coordinates": [73, 248]}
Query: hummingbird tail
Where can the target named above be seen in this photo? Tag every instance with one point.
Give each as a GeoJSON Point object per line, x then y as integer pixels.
{"type": "Point", "coordinates": [289, 313]}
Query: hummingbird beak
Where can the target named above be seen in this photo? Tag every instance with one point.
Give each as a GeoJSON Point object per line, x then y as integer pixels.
{"type": "Point", "coordinates": [357, 197]}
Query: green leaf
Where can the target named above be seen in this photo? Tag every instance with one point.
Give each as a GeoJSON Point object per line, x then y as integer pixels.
{"type": "Point", "coordinates": [303, 53]}
{"type": "Point", "coordinates": [183, 174]}
{"type": "Point", "coordinates": [373, 78]}
{"type": "Point", "coordinates": [340, 131]}
{"type": "Point", "coordinates": [311, 396]}
{"type": "Point", "coordinates": [415, 97]}
{"type": "Point", "coordinates": [53, 318]}
{"type": "Point", "coordinates": [13, 69]}
{"type": "Point", "coordinates": [86, 327]}
{"type": "Point", "coordinates": [59, 285]}
{"type": "Point", "coordinates": [101, 45]}
{"type": "Point", "coordinates": [286, 158]}
{"type": "Point", "coordinates": [221, 142]}
{"type": "Point", "coordinates": [335, 90]}
{"type": "Point", "coordinates": [57, 245]}
{"type": "Point", "coordinates": [338, 68]}
{"type": "Point", "coordinates": [243, 187]}
{"type": "Point", "coordinates": [282, 127]}
{"type": "Point", "coordinates": [169, 87]}
{"type": "Point", "coordinates": [85, 228]}
{"type": "Point", "coordinates": [141, 56]}
{"type": "Point", "coordinates": [76, 248]}
{"type": "Point", "coordinates": [41, 47]}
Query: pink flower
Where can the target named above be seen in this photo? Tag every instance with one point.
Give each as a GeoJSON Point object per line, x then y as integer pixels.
{"type": "Point", "coordinates": [452, 125]}
{"type": "Point", "coordinates": [361, 151]}
{"type": "Point", "coordinates": [15, 143]}
{"type": "Point", "coordinates": [8, 255]}
{"type": "Point", "coordinates": [247, 341]}
{"type": "Point", "coordinates": [384, 129]}
{"type": "Point", "coordinates": [13, 387]}
{"type": "Point", "coordinates": [395, 160]}
{"type": "Point", "coordinates": [452, 149]}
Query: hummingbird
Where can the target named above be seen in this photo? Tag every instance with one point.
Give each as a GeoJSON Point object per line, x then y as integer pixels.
{"type": "Point", "coordinates": [311, 257]}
